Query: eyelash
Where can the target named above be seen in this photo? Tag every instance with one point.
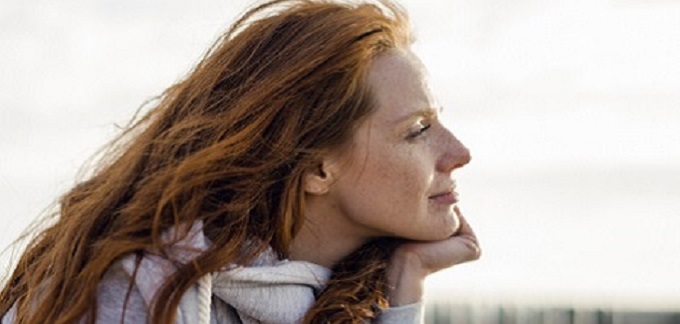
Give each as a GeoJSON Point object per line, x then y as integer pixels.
{"type": "Point", "coordinates": [420, 131]}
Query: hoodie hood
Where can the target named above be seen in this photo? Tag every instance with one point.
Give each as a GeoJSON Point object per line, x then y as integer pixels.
{"type": "Point", "coordinates": [269, 290]}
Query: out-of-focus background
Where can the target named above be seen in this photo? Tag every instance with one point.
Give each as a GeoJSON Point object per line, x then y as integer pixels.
{"type": "Point", "coordinates": [571, 109]}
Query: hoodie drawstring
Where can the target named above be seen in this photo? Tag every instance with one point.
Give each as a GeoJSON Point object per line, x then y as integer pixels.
{"type": "Point", "coordinates": [204, 298]}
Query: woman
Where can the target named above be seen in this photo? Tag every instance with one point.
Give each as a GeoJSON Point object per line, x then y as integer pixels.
{"type": "Point", "coordinates": [298, 174]}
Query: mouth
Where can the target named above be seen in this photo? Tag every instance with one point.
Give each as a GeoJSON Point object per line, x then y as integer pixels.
{"type": "Point", "coordinates": [448, 197]}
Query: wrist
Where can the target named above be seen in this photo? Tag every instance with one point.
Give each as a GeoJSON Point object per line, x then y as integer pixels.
{"type": "Point", "coordinates": [405, 277]}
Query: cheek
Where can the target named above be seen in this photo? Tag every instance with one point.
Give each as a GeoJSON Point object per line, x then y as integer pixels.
{"type": "Point", "coordinates": [401, 175]}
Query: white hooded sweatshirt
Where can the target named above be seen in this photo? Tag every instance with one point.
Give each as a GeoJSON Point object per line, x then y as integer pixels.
{"type": "Point", "coordinates": [268, 291]}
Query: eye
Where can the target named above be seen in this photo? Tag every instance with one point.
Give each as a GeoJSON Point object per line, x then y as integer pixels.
{"type": "Point", "coordinates": [419, 131]}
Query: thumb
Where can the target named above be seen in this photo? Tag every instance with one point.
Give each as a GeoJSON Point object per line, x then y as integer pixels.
{"type": "Point", "coordinates": [468, 244]}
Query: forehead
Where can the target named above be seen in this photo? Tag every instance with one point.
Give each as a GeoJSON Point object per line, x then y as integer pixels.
{"type": "Point", "coordinates": [399, 84]}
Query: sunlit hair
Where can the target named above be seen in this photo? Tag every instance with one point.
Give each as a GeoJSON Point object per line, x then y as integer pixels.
{"type": "Point", "coordinates": [228, 146]}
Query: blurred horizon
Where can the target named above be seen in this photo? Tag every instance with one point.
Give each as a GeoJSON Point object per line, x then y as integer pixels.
{"type": "Point", "coordinates": [571, 110]}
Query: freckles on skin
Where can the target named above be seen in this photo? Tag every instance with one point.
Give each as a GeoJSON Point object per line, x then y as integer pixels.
{"type": "Point", "coordinates": [401, 185]}
{"type": "Point", "coordinates": [390, 171]}
{"type": "Point", "coordinates": [393, 176]}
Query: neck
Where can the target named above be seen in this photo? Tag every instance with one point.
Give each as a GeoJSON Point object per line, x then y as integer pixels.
{"type": "Point", "coordinates": [323, 239]}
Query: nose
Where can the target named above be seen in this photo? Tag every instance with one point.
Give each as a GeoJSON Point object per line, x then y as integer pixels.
{"type": "Point", "coordinates": [453, 154]}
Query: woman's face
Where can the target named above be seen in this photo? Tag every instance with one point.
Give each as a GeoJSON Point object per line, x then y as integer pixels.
{"type": "Point", "coordinates": [396, 178]}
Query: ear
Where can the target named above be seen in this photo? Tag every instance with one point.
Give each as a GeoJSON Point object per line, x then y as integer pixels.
{"type": "Point", "coordinates": [319, 179]}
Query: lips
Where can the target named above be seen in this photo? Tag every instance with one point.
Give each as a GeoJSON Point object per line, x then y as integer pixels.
{"type": "Point", "coordinates": [448, 197]}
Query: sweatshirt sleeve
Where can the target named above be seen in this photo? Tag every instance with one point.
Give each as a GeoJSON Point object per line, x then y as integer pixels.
{"type": "Point", "coordinates": [411, 313]}
{"type": "Point", "coordinates": [111, 295]}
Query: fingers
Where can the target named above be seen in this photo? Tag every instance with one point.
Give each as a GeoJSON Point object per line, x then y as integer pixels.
{"type": "Point", "coordinates": [433, 256]}
{"type": "Point", "coordinates": [467, 237]}
{"type": "Point", "coordinates": [460, 248]}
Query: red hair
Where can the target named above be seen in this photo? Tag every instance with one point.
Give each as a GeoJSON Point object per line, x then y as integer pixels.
{"type": "Point", "coordinates": [228, 146]}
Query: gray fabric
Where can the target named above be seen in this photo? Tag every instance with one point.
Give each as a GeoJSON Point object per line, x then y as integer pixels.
{"type": "Point", "coordinates": [267, 291]}
{"type": "Point", "coordinates": [245, 307]}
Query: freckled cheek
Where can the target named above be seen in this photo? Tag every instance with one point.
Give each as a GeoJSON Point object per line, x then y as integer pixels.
{"type": "Point", "coordinates": [402, 178]}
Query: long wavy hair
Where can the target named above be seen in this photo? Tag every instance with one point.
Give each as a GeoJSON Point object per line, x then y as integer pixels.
{"type": "Point", "coordinates": [228, 145]}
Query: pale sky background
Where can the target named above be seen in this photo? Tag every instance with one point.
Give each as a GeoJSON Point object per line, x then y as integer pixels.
{"type": "Point", "coordinates": [571, 109]}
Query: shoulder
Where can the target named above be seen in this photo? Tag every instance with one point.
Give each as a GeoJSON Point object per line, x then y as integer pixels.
{"type": "Point", "coordinates": [124, 298]}
{"type": "Point", "coordinates": [119, 298]}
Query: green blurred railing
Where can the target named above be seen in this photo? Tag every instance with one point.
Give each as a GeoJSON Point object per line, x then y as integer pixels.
{"type": "Point", "coordinates": [442, 313]}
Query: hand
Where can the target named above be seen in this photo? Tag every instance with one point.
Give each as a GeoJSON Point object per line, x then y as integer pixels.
{"type": "Point", "coordinates": [437, 255]}
{"type": "Point", "coordinates": [413, 261]}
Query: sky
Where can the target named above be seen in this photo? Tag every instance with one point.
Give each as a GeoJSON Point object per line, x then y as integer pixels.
{"type": "Point", "coordinates": [570, 110]}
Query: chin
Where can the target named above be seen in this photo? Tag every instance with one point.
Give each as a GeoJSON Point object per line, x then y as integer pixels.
{"type": "Point", "coordinates": [437, 232]}
{"type": "Point", "coordinates": [435, 228]}
{"type": "Point", "coordinates": [450, 226]}
{"type": "Point", "coordinates": [442, 224]}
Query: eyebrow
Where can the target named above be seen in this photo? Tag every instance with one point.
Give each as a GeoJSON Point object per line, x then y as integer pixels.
{"type": "Point", "coordinates": [428, 112]}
